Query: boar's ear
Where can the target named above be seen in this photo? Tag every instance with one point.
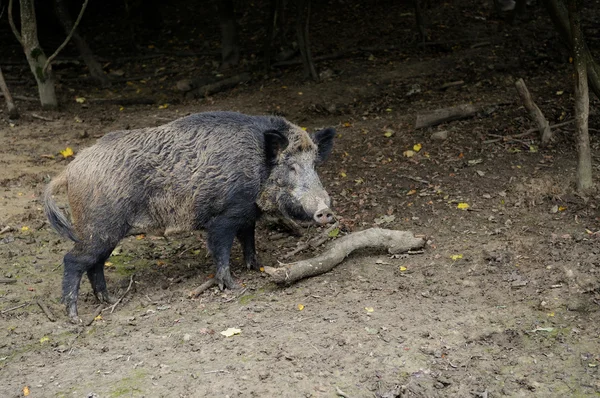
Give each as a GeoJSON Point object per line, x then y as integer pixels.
{"type": "Point", "coordinates": [275, 142]}
{"type": "Point", "coordinates": [324, 140]}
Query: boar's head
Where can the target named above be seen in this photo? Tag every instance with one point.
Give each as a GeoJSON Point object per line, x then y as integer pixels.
{"type": "Point", "coordinates": [293, 187]}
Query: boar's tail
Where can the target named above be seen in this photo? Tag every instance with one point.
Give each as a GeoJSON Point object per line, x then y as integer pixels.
{"type": "Point", "coordinates": [57, 218]}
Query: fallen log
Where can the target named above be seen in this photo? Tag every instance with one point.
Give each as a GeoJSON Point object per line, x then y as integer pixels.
{"type": "Point", "coordinates": [445, 115]}
{"type": "Point", "coordinates": [535, 112]}
{"type": "Point", "coordinates": [221, 85]}
{"type": "Point", "coordinates": [393, 241]}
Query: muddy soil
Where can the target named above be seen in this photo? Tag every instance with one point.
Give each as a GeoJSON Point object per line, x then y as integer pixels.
{"type": "Point", "coordinates": [503, 301]}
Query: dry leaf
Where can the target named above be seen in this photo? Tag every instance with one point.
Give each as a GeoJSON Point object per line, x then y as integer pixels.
{"type": "Point", "coordinates": [26, 391]}
{"type": "Point", "coordinates": [409, 153]}
{"type": "Point", "coordinates": [402, 268]}
{"type": "Point", "coordinates": [300, 307]}
{"type": "Point", "coordinates": [417, 147]}
{"type": "Point", "coordinates": [369, 309]}
{"type": "Point", "coordinates": [67, 152]}
{"type": "Point", "coordinates": [80, 100]}
{"type": "Point", "coordinates": [455, 257]}
{"type": "Point", "coordinates": [462, 206]}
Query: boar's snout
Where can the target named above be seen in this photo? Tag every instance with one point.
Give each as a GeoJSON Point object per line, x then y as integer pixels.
{"type": "Point", "coordinates": [324, 216]}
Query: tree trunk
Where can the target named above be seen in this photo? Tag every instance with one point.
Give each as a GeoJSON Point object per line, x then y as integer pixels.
{"type": "Point", "coordinates": [66, 21]}
{"type": "Point", "coordinates": [230, 49]}
{"type": "Point", "coordinates": [268, 44]}
{"type": "Point", "coordinates": [302, 23]}
{"type": "Point", "coordinates": [560, 18]}
{"type": "Point", "coordinates": [582, 102]}
{"type": "Point", "coordinates": [419, 21]}
{"type": "Point", "coordinates": [13, 113]}
{"type": "Point", "coordinates": [36, 57]}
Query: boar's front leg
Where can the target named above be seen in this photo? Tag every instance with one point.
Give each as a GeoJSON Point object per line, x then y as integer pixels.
{"type": "Point", "coordinates": [220, 236]}
{"type": "Point", "coordinates": [246, 237]}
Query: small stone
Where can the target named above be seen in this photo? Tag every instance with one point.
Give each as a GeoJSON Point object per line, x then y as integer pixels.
{"type": "Point", "coordinates": [186, 337]}
{"type": "Point", "coordinates": [440, 135]}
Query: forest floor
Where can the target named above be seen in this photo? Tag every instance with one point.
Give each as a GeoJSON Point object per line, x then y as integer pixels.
{"type": "Point", "coordinates": [503, 301]}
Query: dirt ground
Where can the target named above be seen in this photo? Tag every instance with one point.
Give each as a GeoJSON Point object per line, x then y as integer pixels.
{"type": "Point", "coordinates": [503, 301]}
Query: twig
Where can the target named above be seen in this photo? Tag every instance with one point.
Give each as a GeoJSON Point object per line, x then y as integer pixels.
{"type": "Point", "coordinates": [200, 289]}
{"type": "Point", "coordinates": [36, 116]}
{"type": "Point", "coordinates": [98, 311]}
{"type": "Point", "coordinates": [509, 138]}
{"type": "Point", "coordinates": [216, 371]}
{"type": "Point", "coordinates": [12, 22]}
{"type": "Point", "coordinates": [123, 295]}
{"type": "Point", "coordinates": [14, 308]}
{"type": "Point", "coordinates": [59, 49]}
{"type": "Point", "coordinates": [6, 229]}
{"type": "Point", "coordinates": [7, 281]}
{"type": "Point", "coordinates": [314, 242]}
{"type": "Point", "coordinates": [46, 310]}
{"type": "Point", "coordinates": [13, 113]}
{"type": "Point", "coordinates": [417, 179]}
{"type": "Point", "coordinates": [341, 393]}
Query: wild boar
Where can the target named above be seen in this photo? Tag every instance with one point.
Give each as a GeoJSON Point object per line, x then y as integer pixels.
{"type": "Point", "coordinates": [215, 171]}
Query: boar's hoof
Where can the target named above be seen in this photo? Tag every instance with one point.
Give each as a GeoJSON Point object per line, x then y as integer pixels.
{"type": "Point", "coordinates": [104, 297]}
{"type": "Point", "coordinates": [72, 313]}
{"type": "Point", "coordinates": [324, 216]}
{"type": "Point", "coordinates": [224, 280]}
{"type": "Point", "coordinates": [253, 264]}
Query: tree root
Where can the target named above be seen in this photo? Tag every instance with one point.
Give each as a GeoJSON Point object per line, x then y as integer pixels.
{"type": "Point", "coordinates": [394, 241]}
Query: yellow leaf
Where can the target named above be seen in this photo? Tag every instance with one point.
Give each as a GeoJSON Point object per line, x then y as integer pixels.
{"type": "Point", "coordinates": [20, 194]}
{"type": "Point", "coordinates": [300, 307]}
{"type": "Point", "coordinates": [231, 332]}
{"type": "Point", "coordinates": [121, 109]}
{"type": "Point", "coordinates": [388, 110]}
{"type": "Point", "coordinates": [24, 228]}
{"type": "Point", "coordinates": [303, 128]}
{"type": "Point", "coordinates": [343, 174]}
{"type": "Point", "coordinates": [388, 134]}
{"type": "Point", "coordinates": [551, 314]}
{"type": "Point", "coordinates": [44, 339]}
{"type": "Point", "coordinates": [80, 100]}
{"type": "Point", "coordinates": [562, 208]}
{"type": "Point", "coordinates": [283, 86]}
{"type": "Point", "coordinates": [347, 124]}
{"type": "Point", "coordinates": [300, 93]}
{"type": "Point", "coordinates": [140, 237]}
{"type": "Point", "coordinates": [150, 46]}
{"type": "Point", "coordinates": [402, 268]}
{"type": "Point", "coordinates": [455, 257]}
{"type": "Point", "coordinates": [108, 264]}
{"type": "Point", "coordinates": [67, 152]}
{"type": "Point", "coordinates": [25, 391]}
{"type": "Point", "coordinates": [417, 147]}
{"type": "Point", "coordinates": [163, 106]}
{"type": "Point", "coordinates": [462, 206]}
{"type": "Point", "coordinates": [409, 153]}
{"type": "Point", "coordinates": [262, 269]}
{"type": "Point", "coordinates": [411, 192]}
{"type": "Point", "coordinates": [369, 309]}
{"type": "Point", "coordinates": [129, 83]}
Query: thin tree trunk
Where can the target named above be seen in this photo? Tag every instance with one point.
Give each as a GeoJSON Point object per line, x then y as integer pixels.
{"type": "Point", "coordinates": [66, 21]}
{"type": "Point", "coordinates": [36, 57]}
{"type": "Point", "coordinates": [582, 102]}
{"type": "Point", "coordinates": [230, 49]}
{"type": "Point", "coordinates": [419, 20]}
{"type": "Point", "coordinates": [302, 24]}
{"type": "Point", "coordinates": [268, 44]}
{"type": "Point", "coordinates": [560, 18]}
{"type": "Point", "coordinates": [13, 113]}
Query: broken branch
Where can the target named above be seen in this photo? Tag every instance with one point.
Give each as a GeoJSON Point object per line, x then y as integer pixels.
{"type": "Point", "coordinates": [200, 289]}
{"type": "Point", "coordinates": [535, 112]}
{"type": "Point", "coordinates": [393, 241]}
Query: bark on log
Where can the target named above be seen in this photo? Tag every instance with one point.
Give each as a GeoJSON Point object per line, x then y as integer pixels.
{"type": "Point", "coordinates": [221, 85]}
{"type": "Point", "coordinates": [582, 102]}
{"type": "Point", "coordinates": [445, 115]}
{"type": "Point", "coordinates": [13, 113]}
{"type": "Point", "coordinates": [535, 112]}
{"type": "Point", "coordinates": [393, 241]}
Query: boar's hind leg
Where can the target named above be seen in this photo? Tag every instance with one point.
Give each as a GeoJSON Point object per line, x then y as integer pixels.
{"type": "Point", "coordinates": [247, 240]}
{"type": "Point", "coordinates": [220, 236]}
{"type": "Point", "coordinates": [84, 258]}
